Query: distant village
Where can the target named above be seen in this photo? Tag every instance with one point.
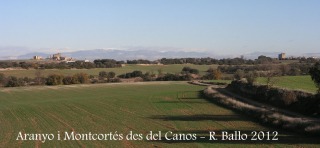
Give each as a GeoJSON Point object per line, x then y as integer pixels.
{"type": "Point", "coordinates": [282, 56]}
{"type": "Point", "coordinates": [58, 57]}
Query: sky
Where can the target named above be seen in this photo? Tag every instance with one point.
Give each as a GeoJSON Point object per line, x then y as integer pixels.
{"type": "Point", "coordinates": [217, 26]}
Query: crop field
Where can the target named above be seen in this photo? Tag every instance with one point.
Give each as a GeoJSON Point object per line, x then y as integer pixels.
{"type": "Point", "coordinates": [121, 108]}
{"type": "Point", "coordinates": [293, 82]}
{"type": "Point", "coordinates": [175, 68]}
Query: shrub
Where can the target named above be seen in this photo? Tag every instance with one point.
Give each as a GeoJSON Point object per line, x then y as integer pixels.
{"type": "Point", "coordinates": [217, 74]}
{"type": "Point", "coordinates": [81, 78]}
{"type": "Point", "coordinates": [2, 78]}
{"type": "Point", "coordinates": [12, 81]}
{"type": "Point", "coordinates": [91, 76]}
{"type": "Point", "coordinates": [131, 75]}
{"type": "Point", "coordinates": [315, 75]}
{"type": "Point", "coordinates": [54, 79]}
{"type": "Point", "coordinates": [186, 70]}
{"type": "Point", "coordinates": [75, 79]}
{"type": "Point", "coordinates": [111, 75]}
{"type": "Point", "coordinates": [251, 77]}
{"type": "Point", "coordinates": [114, 80]}
{"type": "Point", "coordinates": [103, 74]}
{"type": "Point", "coordinates": [67, 80]}
{"type": "Point", "coordinates": [239, 74]}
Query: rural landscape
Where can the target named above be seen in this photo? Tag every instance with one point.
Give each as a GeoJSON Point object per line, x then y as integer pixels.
{"type": "Point", "coordinates": [171, 97]}
{"type": "Point", "coordinates": [159, 73]}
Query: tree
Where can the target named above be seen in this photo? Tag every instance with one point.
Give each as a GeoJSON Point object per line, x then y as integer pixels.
{"type": "Point", "coordinates": [251, 77]}
{"type": "Point", "coordinates": [239, 74]}
{"type": "Point", "coordinates": [315, 74]}
{"type": "Point", "coordinates": [217, 74]}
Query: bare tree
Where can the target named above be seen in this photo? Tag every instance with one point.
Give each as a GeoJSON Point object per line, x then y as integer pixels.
{"type": "Point", "coordinates": [251, 77]}
{"type": "Point", "coordinates": [38, 77]}
{"type": "Point", "coordinates": [160, 72]}
{"type": "Point", "coordinates": [272, 78]}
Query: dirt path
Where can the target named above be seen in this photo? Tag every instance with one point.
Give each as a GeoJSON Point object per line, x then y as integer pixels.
{"type": "Point", "coordinates": [222, 89]}
{"type": "Point", "coordinates": [264, 112]}
{"type": "Point", "coordinates": [228, 93]}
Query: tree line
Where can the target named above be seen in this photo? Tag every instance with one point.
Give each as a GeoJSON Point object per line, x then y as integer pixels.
{"type": "Point", "coordinates": [186, 74]}
{"type": "Point", "coordinates": [103, 63]}
{"type": "Point", "coordinates": [250, 73]}
{"type": "Point", "coordinates": [111, 63]}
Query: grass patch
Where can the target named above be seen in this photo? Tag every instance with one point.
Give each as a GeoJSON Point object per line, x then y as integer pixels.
{"type": "Point", "coordinates": [137, 107]}
{"type": "Point", "coordinates": [219, 81]}
{"type": "Point", "coordinates": [293, 82]}
{"type": "Point", "coordinates": [175, 68]}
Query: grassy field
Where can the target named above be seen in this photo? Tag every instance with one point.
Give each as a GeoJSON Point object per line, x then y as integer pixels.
{"type": "Point", "coordinates": [137, 107]}
{"type": "Point", "coordinates": [175, 68]}
{"type": "Point", "coordinates": [293, 82]}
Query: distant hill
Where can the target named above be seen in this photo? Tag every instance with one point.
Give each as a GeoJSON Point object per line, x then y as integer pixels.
{"type": "Point", "coordinates": [147, 54]}
{"type": "Point", "coordinates": [30, 55]}
{"type": "Point", "coordinates": [122, 54]}
{"type": "Point", "coordinates": [255, 55]}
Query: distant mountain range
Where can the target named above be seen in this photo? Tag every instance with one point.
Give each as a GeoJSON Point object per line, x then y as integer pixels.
{"type": "Point", "coordinates": [122, 54]}
{"type": "Point", "coordinates": [145, 54]}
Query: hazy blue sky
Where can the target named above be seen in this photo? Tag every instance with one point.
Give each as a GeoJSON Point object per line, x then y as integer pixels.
{"type": "Point", "coordinates": [224, 26]}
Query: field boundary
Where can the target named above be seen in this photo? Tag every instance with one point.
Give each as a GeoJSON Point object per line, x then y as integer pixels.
{"type": "Point", "coordinates": [264, 113]}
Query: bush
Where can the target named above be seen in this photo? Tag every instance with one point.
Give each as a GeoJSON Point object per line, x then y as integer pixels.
{"type": "Point", "coordinates": [296, 101]}
{"type": "Point", "coordinates": [148, 77]}
{"type": "Point", "coordinates": [217, 74]}
{"type": "Point", "coordinates": [13, 81]}
{"type": "Point", "coordinates": [251, 77]}
{"type": "Point", "coordinates": [114, 80]}
{"type": "Point", "coordinates": [239, 74]}
{"type": "Point", "coordinates": [102, 74]}
{"type": "Point", "coordinates": [75, 79]}
{"type": "Point", "coordinates": [186, 70]}
{"type": "Point", "coordinates": [174, 77]}
{"type": "Point", "coordinates": [67, 80]}
{"type": "Point", "coordinates": [39, 81]}
{"type": "Point", "coordinates": [131, 75]}
{"type": "Point", "coordinates": [315, 74]}
{"type": "Point", "coordinates": [82, 78]}
{"type": "Point", "coordinates": [54, 79]}
{"type": "Point", "coordinates": [111, 75]}
{"type": "Point", "coordinates": [2, 78]}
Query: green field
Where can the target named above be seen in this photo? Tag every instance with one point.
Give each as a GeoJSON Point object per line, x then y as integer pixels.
{"type": "Point", "coordinates": [137, 107]}
{"type": "Point", "coordinates": [175, 68]}
{"type": "Point", "coordinates": [293, 82]}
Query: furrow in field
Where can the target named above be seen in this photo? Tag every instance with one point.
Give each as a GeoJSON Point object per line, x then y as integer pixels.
{"type": "Point", "coordinates": [64, 123]}
{"type": "Point", "coordinates": [6, 130]}
{"type": "Point", "coordinates": [138, 115]}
